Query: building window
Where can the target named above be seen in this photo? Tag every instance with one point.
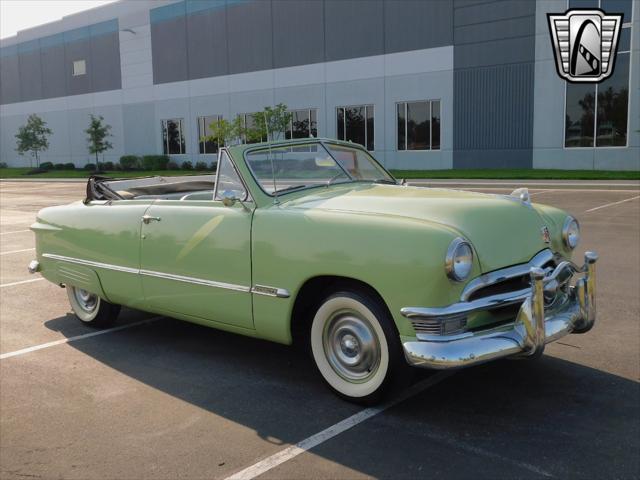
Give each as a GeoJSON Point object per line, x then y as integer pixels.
{"type": "Point", "coordinates": [204, 130]}
{"type": "Point", "coordinates": [79, 68]}
{"type": "Point", "coordinates": [173, 137]}
{"type": "Point", "coordinates": [598, 115]}
{"type": "Point", "coordinates": [249, 124]}
{"type": "Point", "coordinates": [303, 124]}
{"type": "Point", "coordinates": [419, 125]}
{"type": "Point", "coordinates": [355, 124]}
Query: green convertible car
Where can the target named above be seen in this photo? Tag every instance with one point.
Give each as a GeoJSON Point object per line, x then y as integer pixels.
{"type": "Point", "coordinates": [313, 241]}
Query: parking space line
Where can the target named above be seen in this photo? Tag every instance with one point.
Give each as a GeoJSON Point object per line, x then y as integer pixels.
{"type": "Point", "coordinates": [16, 231]}
{"type": "Point", "coordinates": [313, 441]}
{"type": "Point", "coordinates": [21, 282]}
{"type": "Point", "coordinates": [17, 251]}
{"type": "Point", "coordinates": [612, 204]}
{"type": "Point", "coordinates": [74, 339]}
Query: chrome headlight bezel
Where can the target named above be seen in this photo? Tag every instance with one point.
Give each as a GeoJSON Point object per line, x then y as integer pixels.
{"type": "Point", "coordinates": [571, 241]}
{"type": "Point", "coordinates": [456, 247]}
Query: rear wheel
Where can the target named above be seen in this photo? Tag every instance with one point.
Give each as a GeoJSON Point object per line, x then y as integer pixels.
{"type": "Point", "coordinates": [356, 347]}
{"type": "Point", "coordinates": [89, 308]}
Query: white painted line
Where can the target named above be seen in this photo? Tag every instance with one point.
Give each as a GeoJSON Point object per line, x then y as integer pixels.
{"type": "Point", "coordinates": [16, 231]}
{"type": "Point", "coordinates": [21, 282]}
{"type": "Point", "coordinates": [538, 193]}
{"type": "Point", "coordinates": [328, 433]}
{"type": "Point", "coordinates": [17, 251]}
{"type": "Point", "coordinates": [74, 339]}
{"type": "Point", "coordinates": [611, 204]}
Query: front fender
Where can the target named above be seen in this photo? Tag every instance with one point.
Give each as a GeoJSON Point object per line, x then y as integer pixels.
{"type": "Point", "coordinates": [401, 258]}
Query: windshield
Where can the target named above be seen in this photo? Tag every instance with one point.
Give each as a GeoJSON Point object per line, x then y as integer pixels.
{"type": "Point", "coordinates": [294, 167]}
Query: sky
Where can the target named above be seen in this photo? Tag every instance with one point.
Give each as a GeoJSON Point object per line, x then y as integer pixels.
{"type": "Point", "coordinates": [21, 14]}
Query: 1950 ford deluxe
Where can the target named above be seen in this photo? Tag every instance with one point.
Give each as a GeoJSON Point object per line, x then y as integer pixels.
{"type": "Point", "coordinates": [313, 241]}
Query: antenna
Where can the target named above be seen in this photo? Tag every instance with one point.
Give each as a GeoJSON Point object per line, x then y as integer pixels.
{"type": "Point", "coordinates": [273, 171]}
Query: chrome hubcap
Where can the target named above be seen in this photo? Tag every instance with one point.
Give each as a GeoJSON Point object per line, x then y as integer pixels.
{"type": "Point", "coordinates": [351, 346]}
{"type": "Point", "coordinates": [88, 302]}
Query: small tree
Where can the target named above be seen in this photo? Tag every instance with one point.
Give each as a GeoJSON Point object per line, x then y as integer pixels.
{"type": "Point", "coordinates": [224, 131]}
{"type": "Point", "coordinates": [272, 123]}
{"type": "Point", "coordinates": [33, 137]}
{"type": "Point", "coordinates": [97, 136]}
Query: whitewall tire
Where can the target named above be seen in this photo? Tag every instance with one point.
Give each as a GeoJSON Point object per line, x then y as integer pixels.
{"type": "Point", "coordinates": [89, 308]}
{"type": "Point", "coordinates": [355, 346]}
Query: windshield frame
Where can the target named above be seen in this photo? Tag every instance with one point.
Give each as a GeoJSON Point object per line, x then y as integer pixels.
{"type": "Point", "coordinates": [323, 143]}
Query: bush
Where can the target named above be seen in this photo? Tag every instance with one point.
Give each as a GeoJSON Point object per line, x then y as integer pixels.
{"type": "Point", "coordinates": [3, 165]}
{"type": "Point", "coordinates": [106, 166]}
{"type": "Point", "coordinates": [187, 165]}
{"type": "Point", "coordinates": [59, 166]}
{"type": "Point", "coordinates": [46, 166]}
{"type": "Point", "coordinates": [155, 162]}
{"type": "Point", "coordinates": [173, 166]}
{"type": "Point", "coordinates": [201, 166]}
{"type": "Point", "coordinates": [69, 166]}
{"type": "Point", "coordinates": [35, 171]}
{"type": "Point", "coordinates": [90, 166]}
{"type": "Point", "coordinates": [214, 166]}
{"type": "Point", "coordinates": [129, 162]}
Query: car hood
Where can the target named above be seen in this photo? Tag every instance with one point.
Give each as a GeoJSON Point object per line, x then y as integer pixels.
{"type": "Point", "coordinates": [503, 230]}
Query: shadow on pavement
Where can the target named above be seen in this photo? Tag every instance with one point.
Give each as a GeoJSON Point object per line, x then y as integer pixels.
{"type": "Point", "coordinates": [507, 419]}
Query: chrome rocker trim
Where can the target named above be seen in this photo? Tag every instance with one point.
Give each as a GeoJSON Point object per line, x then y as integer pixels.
{"type": "Point", "coordinates": [532, 329]}
{"type": "Point", "coordinates": [257, 289]}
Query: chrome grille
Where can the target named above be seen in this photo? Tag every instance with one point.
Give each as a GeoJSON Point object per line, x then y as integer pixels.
{"type": "Point", "coordinates": [440, 326]}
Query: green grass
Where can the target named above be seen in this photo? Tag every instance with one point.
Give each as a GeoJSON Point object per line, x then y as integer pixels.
{"type": "Point", "coordinates": [22, 173]}
{"type": "Point", "coordinates": [520, 174]}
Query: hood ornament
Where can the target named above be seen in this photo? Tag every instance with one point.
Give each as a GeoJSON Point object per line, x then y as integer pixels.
{"type": "Point", "coordinates": [546, 235]}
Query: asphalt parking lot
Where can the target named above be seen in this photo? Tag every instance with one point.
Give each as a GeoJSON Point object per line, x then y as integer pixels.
{"type": "Point", "coordinates": [166, 399]}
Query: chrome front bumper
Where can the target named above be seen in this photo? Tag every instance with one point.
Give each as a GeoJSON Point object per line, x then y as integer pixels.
{"type": "Point", "coordinates": [532, 329]}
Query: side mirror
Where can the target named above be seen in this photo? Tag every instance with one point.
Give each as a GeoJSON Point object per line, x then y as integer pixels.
{"type": "Point", "coordinates": [229, 198]}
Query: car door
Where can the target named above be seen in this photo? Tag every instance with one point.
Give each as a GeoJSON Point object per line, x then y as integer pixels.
{"type": "Point", "coordinates": [196, 254]}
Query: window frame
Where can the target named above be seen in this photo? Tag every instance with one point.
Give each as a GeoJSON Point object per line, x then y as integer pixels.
{"type": "Point", "coordinates": [628, 25]}
{"type": "Point", "coordinates": [80, 61]}
{"type": "Point", "coordinates": [366, 126]}
{"type": "Point", "coordinates": [164, 126]}
{"type": "Point", "coordinates": [290, 127]}
{"type": "Point", "coordinates": [201, 132]}
{"type": "Point", "coordinates": [247, 194]}
{"type": "Point", "coordinates": [406, 124]}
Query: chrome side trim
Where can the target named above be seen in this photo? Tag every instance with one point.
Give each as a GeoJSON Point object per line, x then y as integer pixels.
{"type": "Point", "coordinates": [490, 278]}
{"type": "Point", "coordinates": [89, 263]}
{"type": "Point", "coordinates": [195, 281]}
{"type": "Point", "coordinates": [150, 273]}
{"type": "Point", "coordinates": [270, 291]}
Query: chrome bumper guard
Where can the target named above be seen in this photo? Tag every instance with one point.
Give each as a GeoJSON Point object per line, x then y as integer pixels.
{"type": "Point", "coordinates": [532, 329]}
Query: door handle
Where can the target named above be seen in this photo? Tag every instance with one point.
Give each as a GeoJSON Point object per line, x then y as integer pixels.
{"type": "Point", "coordinates": [148, 219]}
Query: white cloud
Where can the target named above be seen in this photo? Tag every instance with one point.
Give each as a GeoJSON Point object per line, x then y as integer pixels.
{"type": "Point", "coordinates": [16, 15]}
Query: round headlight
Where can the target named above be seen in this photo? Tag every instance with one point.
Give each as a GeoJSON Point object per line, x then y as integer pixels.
{"type": "Point", "coordinates": [571, 233]}
{"type": "Point", "coordinates": [459, 260]}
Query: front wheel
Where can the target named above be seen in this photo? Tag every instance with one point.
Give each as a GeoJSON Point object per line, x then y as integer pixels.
{"type": "Point", "coordinates": [356, 347]}
{"type": "Point", "coordinates": [89, 308]}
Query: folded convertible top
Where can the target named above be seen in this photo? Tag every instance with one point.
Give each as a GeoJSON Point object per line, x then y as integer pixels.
{"type": "Point", "coordinates": [104, 188]}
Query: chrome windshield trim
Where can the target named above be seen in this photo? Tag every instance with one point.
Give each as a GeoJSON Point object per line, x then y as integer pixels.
{"type": "Point", "coordinates": [150, 273]}
{"type": "Point", "coordinates": [89, 263]}
{"type": "Point", "coordinates": [508, 273]}
{"type": "Point", "coordinates": [195, 281]}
